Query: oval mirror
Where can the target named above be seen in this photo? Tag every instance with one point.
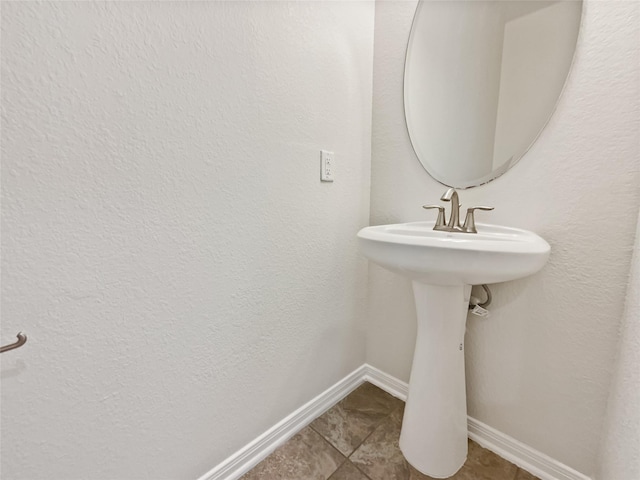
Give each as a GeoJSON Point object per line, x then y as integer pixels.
{"type": "Point", "coordinates": [482, 79]}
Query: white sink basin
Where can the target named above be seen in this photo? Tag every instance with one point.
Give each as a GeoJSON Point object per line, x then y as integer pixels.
{"type": "Point", "coordinates": [494, 254]}
{"type": "Point", "coordinates": [443, 267]}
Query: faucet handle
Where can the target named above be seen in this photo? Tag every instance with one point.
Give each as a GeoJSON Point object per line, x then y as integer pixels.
{"type": "Point", "coordinates": [470, 221]}
{"type": "Point", "coordinates": [440, 221]}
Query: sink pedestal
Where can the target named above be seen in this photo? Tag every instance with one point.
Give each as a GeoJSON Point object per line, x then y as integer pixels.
{"type": "Point", "coordinates": [434, 428]}
{"type": "Point", "coordinates": [443, 265]}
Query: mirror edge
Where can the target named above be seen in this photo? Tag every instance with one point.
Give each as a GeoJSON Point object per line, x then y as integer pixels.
{"type": "Point", "coordinates": [493, 175]}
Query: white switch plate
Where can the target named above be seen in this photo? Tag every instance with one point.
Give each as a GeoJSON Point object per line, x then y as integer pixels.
{"type": "Point", "coordinates": [326, 166]}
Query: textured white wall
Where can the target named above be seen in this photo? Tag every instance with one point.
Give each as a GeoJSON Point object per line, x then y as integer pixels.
{"type": "Point", "coordinates": [620, 455]}
{"type": "Point", "coordinates": [539, 368]}
{"type": "Point", "coordinates": [185, 279]}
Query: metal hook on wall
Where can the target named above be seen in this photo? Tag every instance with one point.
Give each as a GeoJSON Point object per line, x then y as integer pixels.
{"type": "Point", "coordinates": [22, 339]}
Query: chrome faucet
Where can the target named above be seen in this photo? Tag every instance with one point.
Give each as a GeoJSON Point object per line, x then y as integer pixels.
{"type": "Point", "coordinates": [454, 219]}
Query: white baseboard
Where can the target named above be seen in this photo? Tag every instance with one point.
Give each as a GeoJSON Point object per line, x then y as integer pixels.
{"type": "Point", "coordinates": [533, 461]}
{"type": "Point", "coordinates": [386, 382]}
{"type": "Point", "coordinates": [253, 453]}
{"type": "Point", "coordinates": [527, 458]}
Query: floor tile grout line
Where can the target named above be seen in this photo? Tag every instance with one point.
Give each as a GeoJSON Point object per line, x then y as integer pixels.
{"type": "Point", "coordinates": [375, 425]}
{"type": "Point", "coordinates": [321, 434]}
{"type": "Point", "coordinates": [367, 477]}
{"type": "Point", "coordinates": [347, 458]}
{"type": "Point", "coordinates": [360, 470]}
{"type": "Point", "coordinates": [344, 457]}
{"type": "Point", "coordinates": [374, 429]}
{"type": "Point", "coordinates": [365, 439]}
{"type": "Point", "coordinates": [380, 422]}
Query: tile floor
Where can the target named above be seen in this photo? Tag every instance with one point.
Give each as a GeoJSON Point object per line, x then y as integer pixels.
{"type": "Point", "coordinates": [357, 439]}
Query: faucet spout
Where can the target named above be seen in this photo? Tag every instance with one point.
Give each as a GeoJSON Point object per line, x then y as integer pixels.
{"type": "Point", "coordinates": [454, 220]}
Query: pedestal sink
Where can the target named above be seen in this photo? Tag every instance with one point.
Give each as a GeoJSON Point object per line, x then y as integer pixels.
{"type": "Point", "coordinates": [443, 266]}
